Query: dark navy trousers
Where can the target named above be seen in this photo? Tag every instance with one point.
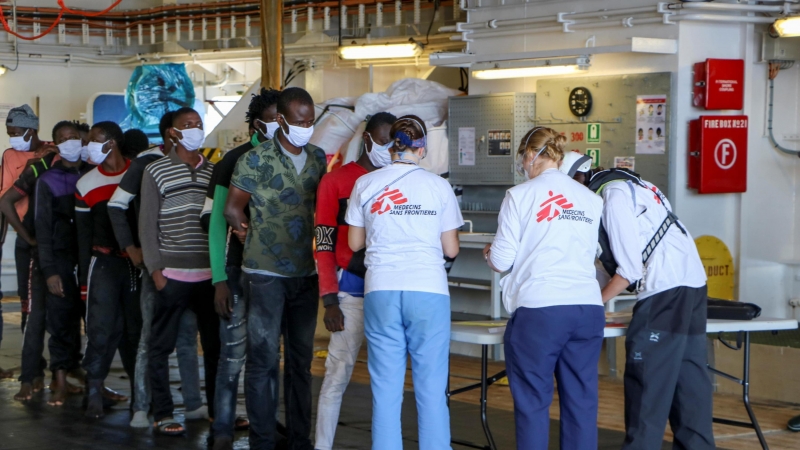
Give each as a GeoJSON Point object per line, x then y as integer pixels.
{"type": "Point", "coordinates": [560, 340]}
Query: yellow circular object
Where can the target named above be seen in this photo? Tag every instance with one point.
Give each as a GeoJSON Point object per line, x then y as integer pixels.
{"type": "Point", "coordinates": [718, 263]}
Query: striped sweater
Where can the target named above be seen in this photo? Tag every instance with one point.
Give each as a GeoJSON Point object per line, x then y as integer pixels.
{"type": "Point", "coordinates": [173, 194]}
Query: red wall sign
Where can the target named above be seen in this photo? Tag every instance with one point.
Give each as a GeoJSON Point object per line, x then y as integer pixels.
{"type": "Point", "coordinates": [718, 154]}
{"type": "Point", "coordinates": [719, 84]}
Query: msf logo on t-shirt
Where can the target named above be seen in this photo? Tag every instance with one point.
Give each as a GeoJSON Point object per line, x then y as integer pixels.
{"type": "Point", "coordinates": [386, 200]}
{"type": "Point", "coordinates": [552, 207]}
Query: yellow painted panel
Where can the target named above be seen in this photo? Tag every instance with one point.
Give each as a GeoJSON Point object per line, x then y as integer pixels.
{"type": "Point", "coordinates": [718, 263]}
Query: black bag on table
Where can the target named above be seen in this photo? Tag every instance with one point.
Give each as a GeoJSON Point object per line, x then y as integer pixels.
{"type": "Point", "coordinates": [730, 310]}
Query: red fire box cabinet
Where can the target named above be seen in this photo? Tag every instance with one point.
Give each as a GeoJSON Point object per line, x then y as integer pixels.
{"type": "Point", "coordinates": [719, 84]}
{"type": "Point", "coordinates": [718, 154]}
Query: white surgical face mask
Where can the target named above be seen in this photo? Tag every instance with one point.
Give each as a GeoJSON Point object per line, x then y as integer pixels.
{"type": "Point", "coordinates": [271, 127]}
{"type": "Point", "coordinates": [19, 143]}
{"type": "Point", "coordinates": [70, 150]}
{"type": "Point", "coordinates": [193, 138]}
{"type": "Point", "coordinates": [96, 152]}
{"type": "Point", "coordinates": [85, 153]}
{"type": "Point", "coordinates": [379, 156]}
{"type": "Point", "coordinates": [298, 136]}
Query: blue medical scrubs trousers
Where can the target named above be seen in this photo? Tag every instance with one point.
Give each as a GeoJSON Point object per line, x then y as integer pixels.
{"type": "Point", "coordinates": [560, 340]}
{"type": "Point", "coordinates": [396, 324]}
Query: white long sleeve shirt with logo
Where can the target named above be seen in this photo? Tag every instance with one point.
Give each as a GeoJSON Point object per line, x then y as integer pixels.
{"type": "Point", "coordinates": [547, 230]}
{"type": "Point", "coordinates": [631, 223]}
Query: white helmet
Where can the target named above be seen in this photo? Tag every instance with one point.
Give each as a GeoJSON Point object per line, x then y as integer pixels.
{"type": "Point", "coordinates": [575, 162]}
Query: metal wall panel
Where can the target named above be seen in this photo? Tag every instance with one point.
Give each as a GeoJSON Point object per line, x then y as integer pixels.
{"type": "Point", "coordinates": [511, 111]}
{"type": "Point", "coordinates": [614, 108]}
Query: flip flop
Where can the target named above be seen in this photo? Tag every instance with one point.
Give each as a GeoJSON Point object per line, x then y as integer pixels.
{"type": "Point", "coordinates": [163, 427]}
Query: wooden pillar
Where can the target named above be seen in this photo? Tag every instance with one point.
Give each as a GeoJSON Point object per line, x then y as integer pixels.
{"type": "Point", "coordinates": [271, 43]}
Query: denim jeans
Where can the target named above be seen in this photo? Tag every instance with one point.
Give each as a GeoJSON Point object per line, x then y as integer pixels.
{"type": "Point", "coordinates": [188, 366]}
{"type": "Point", "coordinates": [233, 345]}
{"type": "Point", "coordinates": [270, 300]}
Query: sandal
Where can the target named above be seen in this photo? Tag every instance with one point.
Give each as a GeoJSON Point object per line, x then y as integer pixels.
{"type": "Point", "coordinates": [167, 427]}
{"type": "Point", "coordinates": [241, 423]}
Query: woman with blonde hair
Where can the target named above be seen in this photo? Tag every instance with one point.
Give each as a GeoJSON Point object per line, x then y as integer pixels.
{"type": "Point", "coordinates": [547, 236]}
{"type": "Point", "coordinates": [408, 219]}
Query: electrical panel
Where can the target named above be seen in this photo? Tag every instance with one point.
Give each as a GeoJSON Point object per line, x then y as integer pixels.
{"type": "Point", "coordinates": [718, 154]}
{"type": "Point", "coordinates": [719, 84]}
{"type": "Point", "coordinates": [484, 133]}
{"type": "Point", "coordinates": [780, 49]}
{"type": "Point", "coordinates": [628, 124]}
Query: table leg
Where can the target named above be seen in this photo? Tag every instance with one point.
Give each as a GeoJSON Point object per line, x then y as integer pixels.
{"type": "Point", "coordinates": [484, 389]}
{"type": "Point", "coordinates": [611, 355]}
{"type": "Point", "coordinates": [746, 392]}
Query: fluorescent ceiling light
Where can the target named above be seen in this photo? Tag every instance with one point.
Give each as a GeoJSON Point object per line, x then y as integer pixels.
{"type": "Point", "coordinates": [788, 26]}
{"type": "Point", "coordinates": [386, 51]}
{"type": "Point", "coordinates": [2, 70]}
{"type": "Point", "coordinates": [529, 68]}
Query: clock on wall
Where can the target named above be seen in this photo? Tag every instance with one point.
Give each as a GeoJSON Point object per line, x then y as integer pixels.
{"type": "Point", "coordinates": [580, 101]}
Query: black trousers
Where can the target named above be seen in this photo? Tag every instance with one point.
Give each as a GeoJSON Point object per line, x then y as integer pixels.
{"type": "Point", "coordinates": [114, 317]}
{"type": "Point", "coordinates": [171, 302]}
{"type": "Point", "coordinates": [22, 259]}
{"type": "Point", "coordinates": [665, 372]}
{"type": "Point", "coordinates": [33, 363]}
{"type": "Point", "coordinates": [64, 321]}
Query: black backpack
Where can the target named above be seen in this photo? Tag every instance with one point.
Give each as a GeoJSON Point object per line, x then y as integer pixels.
{"type": "Point", "coordinates": [599, 181]}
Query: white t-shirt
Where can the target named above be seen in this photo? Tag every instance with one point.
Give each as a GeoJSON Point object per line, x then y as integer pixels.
{"type": "Point", "coordinates": [405, 210]}
{"type": "Point", "coordinates": [631, 223]}
{"type": "Point", "coordinates": [547, 230]}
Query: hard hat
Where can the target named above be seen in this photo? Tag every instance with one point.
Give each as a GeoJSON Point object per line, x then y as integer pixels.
{"type": "Point", "coordinates": [575, 162]}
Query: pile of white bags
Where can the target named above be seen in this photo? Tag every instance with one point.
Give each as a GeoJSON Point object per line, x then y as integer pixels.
{"type": "Point", "coordinates": [340, 130]}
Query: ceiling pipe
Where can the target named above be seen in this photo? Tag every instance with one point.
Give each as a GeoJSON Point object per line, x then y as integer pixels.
{"type": "Point", "coordinates": [723, 18]}
{"type": "Point", "coordinates": [727, 7]}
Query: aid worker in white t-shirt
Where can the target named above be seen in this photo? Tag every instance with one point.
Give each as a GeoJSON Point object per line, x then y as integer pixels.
{"type": "Point", "coordinates": [408, 219]}
{"type": "Point", "coordinates": [547, 236]}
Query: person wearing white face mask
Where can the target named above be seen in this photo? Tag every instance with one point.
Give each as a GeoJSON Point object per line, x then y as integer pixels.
{"type": "Point", "coordinates": [53, 284]}
{"type": "Point", "coordinates": [108, 278]}
{"type": "Point", "coordinates": [407, 220]}
{"type": "Point", "coordinates": [547, 237]}
{"type": "Point", "coordinates": [29, 275]}
{"type": "Point", "coordinates": [22, 126]}
{"type": "Point", "coordinates": [281, 178]}
{"type": "Point", "coordinates": [225, 252]}
{"type": "Point", "coordinates": [341, 273]}
{"type": "Point", "coordinates": [175, 253]}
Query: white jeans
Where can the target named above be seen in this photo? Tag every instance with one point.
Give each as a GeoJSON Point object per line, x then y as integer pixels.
{"type": "Point", "coordinates": [342, 353]}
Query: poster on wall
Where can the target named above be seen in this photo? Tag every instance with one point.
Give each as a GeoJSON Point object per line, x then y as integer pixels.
{"type": "Point", "coordinates": [651, 124]}
{"type": "Point", "coordinates": [466, 146]}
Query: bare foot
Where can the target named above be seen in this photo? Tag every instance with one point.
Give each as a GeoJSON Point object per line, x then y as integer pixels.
{"type": "Point", "coordinates": [59, 388]}
{"type": "Point", "coordinates": [6, 373]}
{"type": "Point", "coordinates": [113, 395]}
{"type": "Point", "coordinates": [25, 392]}
{"type": "Point", "coordinates": [38, 384]}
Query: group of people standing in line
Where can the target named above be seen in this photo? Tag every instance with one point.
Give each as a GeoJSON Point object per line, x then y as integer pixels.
{"type": "Point", "coordinates": [152, 245]}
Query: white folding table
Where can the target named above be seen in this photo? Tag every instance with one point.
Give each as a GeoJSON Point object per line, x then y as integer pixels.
{"type": "Point", "coordinates": [483, 335]}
